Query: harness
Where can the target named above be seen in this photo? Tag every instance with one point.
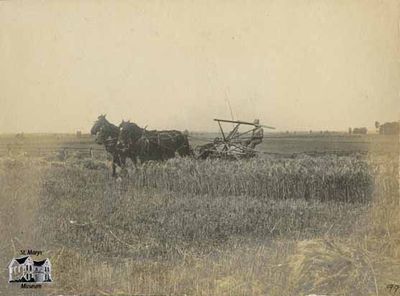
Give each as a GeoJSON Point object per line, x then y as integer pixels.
{"type": "Point", "coordinates": [156, 139]}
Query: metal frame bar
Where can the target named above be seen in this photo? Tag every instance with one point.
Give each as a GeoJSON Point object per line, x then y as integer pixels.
{"type": "Point", "coordinates": [242, 122]}
{"type": "Point", "coordinates": [233, 132]}
{"type": "Point", "coordinates": [222, 131]}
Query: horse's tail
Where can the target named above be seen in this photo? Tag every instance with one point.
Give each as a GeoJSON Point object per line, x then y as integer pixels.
{"type": "Point", "coordinates": [183, 146]}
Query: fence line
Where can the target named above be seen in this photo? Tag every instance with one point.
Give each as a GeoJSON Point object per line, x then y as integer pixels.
{"type": "Point", "coordinates": [9, 149]}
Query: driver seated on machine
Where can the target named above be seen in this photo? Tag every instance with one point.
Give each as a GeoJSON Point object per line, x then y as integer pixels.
{"type": "Point", "coordinates": [256, 136]}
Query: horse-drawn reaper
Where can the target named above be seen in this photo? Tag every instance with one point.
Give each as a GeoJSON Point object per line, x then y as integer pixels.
{"type": "Point", "coordinates": [234, 144]}
{"type": "Point", "coordinates": [128, 140]}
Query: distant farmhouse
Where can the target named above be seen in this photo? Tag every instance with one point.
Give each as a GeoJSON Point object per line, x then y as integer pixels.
{"type": "Point", "coordinates": [360, 130]}
{"type": "Point", "coordinates": [24, 269]}
{"type": "Point", "coordinates": [388, 128]}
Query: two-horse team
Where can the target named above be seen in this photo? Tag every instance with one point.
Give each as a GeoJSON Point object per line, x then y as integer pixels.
{"type": "Point", "coordinates": [128, 140]}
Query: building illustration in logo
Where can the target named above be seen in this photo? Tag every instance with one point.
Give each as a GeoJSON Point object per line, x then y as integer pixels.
{"type": "Point", "coordinates": [25, 269]}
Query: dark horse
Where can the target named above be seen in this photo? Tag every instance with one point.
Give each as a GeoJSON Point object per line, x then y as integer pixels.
{"type": "Point", "coordinates": [152, 145]}
{"type": "Point", "coordinates": [107, 134]}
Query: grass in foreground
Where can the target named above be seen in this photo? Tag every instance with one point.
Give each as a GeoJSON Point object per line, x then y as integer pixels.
{"type": "Point", "coordinates": [165, 237]}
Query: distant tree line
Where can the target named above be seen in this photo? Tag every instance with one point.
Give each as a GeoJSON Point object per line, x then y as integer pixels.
{"type": "Point", "coordinates": [388, 128]}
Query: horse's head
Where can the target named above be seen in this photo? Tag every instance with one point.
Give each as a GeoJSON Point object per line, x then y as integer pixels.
{"type": "Point", "coordinates": [123, 133]}
{"type": "Point", "coordinates": [129, 132]}
{"type": "Point", "coordinates": [98, 124]}
{"type": "Point", "coordinates": [104, 130]}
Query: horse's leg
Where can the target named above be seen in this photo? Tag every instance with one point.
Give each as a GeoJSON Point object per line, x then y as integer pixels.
{"type": "Point", "coordinates": [113, 168]}
{"type": "Point", "coordinates": [134, 160]}
{"type": "Point", "coordinates": [122, 163]}
{"type": "Point", "coordinates": [122, 160]}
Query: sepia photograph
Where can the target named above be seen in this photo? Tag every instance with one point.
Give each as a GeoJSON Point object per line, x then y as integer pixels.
{"type": "Point", "coordinates": [213, 147]}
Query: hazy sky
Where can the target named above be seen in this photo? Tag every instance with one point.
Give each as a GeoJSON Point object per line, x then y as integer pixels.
{"type": "Point", "coordinates": [298, 64]}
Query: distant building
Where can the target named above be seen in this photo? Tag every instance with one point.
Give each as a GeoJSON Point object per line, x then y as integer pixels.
{"type": "Point", "coordinates": [360, 131]}
{"type": "Point", "coordinates": [24, 269]}
{"type": "Point", "coordinates": [389, 128]}
{"type": "Point", "coordinates": [78, 134]}
{"type": "Point", "coordinates": [20, 136]}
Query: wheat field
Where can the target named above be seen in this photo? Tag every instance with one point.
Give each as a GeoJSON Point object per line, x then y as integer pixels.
{"type": "Point", "coordinates": [298, 225]}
